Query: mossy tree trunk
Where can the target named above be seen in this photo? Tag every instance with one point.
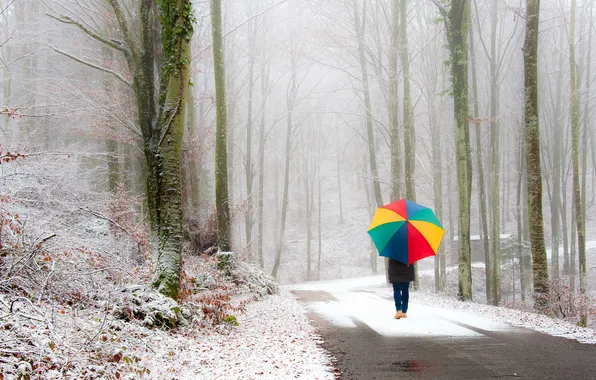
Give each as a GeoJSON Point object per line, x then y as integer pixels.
{"type": "Point", "coordinates": [456, 18]}
{"type": "Point", "coordinates": [224, 240]}
{"type": "Point", "coordinates": [532, 134]}
{"type": "Point", "coordinates": [176, 18]}
{"type": "Point", "coordinates": [577, 195]}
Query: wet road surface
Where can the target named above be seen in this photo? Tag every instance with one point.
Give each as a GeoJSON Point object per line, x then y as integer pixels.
{"type": "Point", "coordinates": [359, 331]}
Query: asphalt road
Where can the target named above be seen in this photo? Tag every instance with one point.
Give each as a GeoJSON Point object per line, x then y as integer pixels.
{"type": "Point", "coordinates": [432, 344]}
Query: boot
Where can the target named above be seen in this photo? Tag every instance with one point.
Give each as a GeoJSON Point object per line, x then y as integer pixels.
{"type": "Point", "coordinates": [398, 314]}
{"type": "Point", "coordinates": [404, 315]}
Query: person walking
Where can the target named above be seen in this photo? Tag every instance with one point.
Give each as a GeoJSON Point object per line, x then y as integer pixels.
{"type": "Point", "coordinates": [400, 275]}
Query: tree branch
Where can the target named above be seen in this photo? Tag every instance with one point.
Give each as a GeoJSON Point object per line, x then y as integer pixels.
{"type": "Point", "coordinates": [243, 23]}
{"type": "Point", "coordinates": [123, 23]}
{"type": "Point", "coordinates": [97, 67]}
{"type": "Point", "coordinates": [67, 20]}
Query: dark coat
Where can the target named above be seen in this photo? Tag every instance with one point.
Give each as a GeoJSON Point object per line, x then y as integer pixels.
{"type": "Point", "coordinates": [400, 272]}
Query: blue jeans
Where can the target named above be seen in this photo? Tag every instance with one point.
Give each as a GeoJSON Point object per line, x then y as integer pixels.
{"type": "Point", "coordinates": [401, 295]}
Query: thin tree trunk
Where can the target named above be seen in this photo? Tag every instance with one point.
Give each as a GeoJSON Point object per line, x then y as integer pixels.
{"type": "Point", "coordinates": [338, 172]}
{"type": "Point", "coordinates": [557, 175]}
{"type": "Point", "coordinates": [308, 218]}
{"type": "Point", "coordinates": [481, 182]}
{"type": "Point", "coordinates": [319, 221]}
{"type": "Point", "coordinates": [224, 238]}
{"type": "Point", "coordinates": [437, 158]}
{"type": "Point", "coordinates": [360, 23]}
{"type": "Point", "coordinates": [495, 165]}
{"type": "Point", "coordinates": [249, 169]}
{"type": "Point", "coordinates": [583, 282]}
{"type": "Point", "coordinates": [574, 122]}
{"type": "Point", "coordinates": [451, 212]}
{"type": "Point", "coordinates": [265, 69]}
{"type": "Point", "coordinates": [409, 127]}
{"type": "Point", "coordinates": [111, 144]}
{"type": "Point", "coordinates": [290, 102]}
{"type": "Point", "coordinates": [519, 211]}
{"type": "Point", "coordinates": [396, 170]}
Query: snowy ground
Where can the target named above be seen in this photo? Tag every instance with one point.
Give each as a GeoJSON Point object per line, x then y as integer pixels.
{"type": "Point", "coordinates": [274, 341]}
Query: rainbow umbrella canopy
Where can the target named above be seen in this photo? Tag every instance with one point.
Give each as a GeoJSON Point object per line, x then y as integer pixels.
{"type": "Point", "coordinates": [406, 231]}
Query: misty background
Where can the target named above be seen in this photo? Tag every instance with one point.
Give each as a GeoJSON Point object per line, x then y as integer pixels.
{"type": "Point", "coordinates": [303, 79]}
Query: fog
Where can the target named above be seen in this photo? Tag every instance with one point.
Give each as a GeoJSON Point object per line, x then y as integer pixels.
{"type": "Point", "coordinates": [308, 83]}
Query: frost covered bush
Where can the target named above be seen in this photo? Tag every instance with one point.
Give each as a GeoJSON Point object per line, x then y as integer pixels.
{"type": "Point", "coordinates": [147, 306]}
{"type": "Point", "coordinates": [254, 279]}
{"type": "Point", "coordinates": [226, 262]}
{"type": "Point", "coordinates": [220, 286]}
{"type": "Point", "coordinates": [204, 281]}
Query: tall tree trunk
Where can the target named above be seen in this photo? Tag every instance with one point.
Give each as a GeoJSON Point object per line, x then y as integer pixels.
{"type": "Point", "coordinates": [265, 69]}
{"type": "Point", "coordinates": [450, 211]}
{"type": "Point", "coordinates": [291, 95]}
{"type": "Point", "coordinates": [308, 203]}
{"type": "Point", "coordinates": [540, 265]}
{"type": "Point", "coordinates": [396, 171]}
{"type": "Point", "coordinates": [360, 23]}
{"type": "Point", "coordinates": [481, 182]}
{"type": "Point", "coordinates": [175, 15]}
{"type": "Point", "coordinates": [577, 195]}
{"type": "Point", "coordinates": [111, 143]}
{"type": "Point", "coordinates": [437, 158]}
{"type": "Point", "coordinates": [557, 175]}
{"type": "Point", "coordinates": [456, 22]}
{"type": "Point", "coordinates": [583, 284]}
{"type": "Point", "coordinates": [320, 233]}
{"type": "Point", "coordinates": [224, 238]}
{"type": "Point", "coordinates": [248, 163]}
{"type": "Point", "coordinates": [409, 128]}
{"type": "Point", "coordinates": [495, 165]}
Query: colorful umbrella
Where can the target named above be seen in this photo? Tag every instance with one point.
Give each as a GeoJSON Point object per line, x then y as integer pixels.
{"type": "Point", "coordinates": [406, 231]}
